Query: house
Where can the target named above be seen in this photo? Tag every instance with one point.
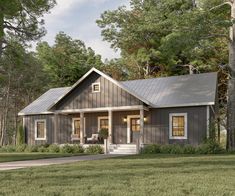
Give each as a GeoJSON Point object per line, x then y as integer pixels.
{"type": "Point", "coordinates": [177, 109]}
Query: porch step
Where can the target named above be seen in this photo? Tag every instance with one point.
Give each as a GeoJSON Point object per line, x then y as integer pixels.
{"type": "Point", "coordinates": [122, 149]}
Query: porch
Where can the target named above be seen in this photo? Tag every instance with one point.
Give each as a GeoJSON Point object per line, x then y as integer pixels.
{"type": "Point", "coordinates": [125, 125]}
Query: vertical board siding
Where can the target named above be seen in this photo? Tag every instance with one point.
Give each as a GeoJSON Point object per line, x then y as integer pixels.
{"type": "Point", "coordinates": [156, 128]}
{"type": "Point", "coordinates": [110, 95]}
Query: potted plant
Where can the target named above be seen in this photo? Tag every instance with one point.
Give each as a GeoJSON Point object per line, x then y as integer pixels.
{"type": "Point", "coordinates": [103, 133]}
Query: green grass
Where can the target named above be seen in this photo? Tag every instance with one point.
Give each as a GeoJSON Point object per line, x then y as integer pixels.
{"type": "Point", "coordinates": [5, 157]}
{"type": "Point", "coordinates": [134, 175]}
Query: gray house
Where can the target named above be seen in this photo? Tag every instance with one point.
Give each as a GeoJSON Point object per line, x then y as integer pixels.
{"type": "Point", "coordinates": [167, 110]}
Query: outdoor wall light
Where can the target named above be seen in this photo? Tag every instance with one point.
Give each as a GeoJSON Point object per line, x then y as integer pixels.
{"type": "Point", "coordinates": [145, 119]}
{"type": "Point", "coordinates": [124, 119]}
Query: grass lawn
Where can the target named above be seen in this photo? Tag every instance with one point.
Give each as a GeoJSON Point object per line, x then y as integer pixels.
{"type": "Point", "coordinates": [133, 175]}
{"type": "Point", "coordinates": [5, 157]}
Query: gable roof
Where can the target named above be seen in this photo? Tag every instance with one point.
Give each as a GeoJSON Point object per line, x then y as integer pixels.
{"type": "Point", "coordinates": [175, 91]}
{"type": "Point", "coordinates": [119, 84]}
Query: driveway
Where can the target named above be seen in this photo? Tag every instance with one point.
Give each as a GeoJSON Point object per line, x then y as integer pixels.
{"type": "Point", "coordinates": [52, 161]}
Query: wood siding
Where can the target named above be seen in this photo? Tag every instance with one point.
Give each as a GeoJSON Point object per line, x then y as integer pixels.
{"type": "Point", "coordinates": [110, 95]}
{"type": "Point", "coordinates": [156, 128]}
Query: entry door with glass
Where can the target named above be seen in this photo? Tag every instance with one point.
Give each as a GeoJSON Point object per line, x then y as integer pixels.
{"type": "Point", "coordinates": [134, 129]}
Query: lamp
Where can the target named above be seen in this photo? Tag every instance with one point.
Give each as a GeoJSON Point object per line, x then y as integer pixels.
{"type": "Point", "coordinates": [124, 119]}
{"type": "Point", "coordinates": [145, 119]}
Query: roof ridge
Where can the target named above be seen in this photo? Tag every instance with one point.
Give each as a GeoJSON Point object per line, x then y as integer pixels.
{"type": "Point", "coordinates": [165, 77]}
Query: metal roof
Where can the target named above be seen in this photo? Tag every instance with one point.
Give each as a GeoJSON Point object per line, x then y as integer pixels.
{"type": "Point", "coordinates": [41, 104]}
{"type": "Point", "coordinates": [175, 91]}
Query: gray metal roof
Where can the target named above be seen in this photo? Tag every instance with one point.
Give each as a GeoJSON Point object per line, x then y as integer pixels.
{"type": "Point", "coordinates": [184, 90]}
{"type": "Point", "coordinates": [175, 91]}
{"type": "Point", "coordinates": [41, 104]}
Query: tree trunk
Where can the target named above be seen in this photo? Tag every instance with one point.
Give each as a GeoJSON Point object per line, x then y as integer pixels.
{"type": "Point", "coordinates": [231, 87]}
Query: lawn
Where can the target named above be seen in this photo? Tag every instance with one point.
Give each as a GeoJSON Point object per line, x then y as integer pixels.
{"type": "Point", "coordinates": [133, 175]}
{"type": "Point", "coordinates": [5, 157]}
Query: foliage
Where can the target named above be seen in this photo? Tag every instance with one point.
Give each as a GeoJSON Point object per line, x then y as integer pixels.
{"type": "Point", "coordinates": [54, 148]}
{"type": "Point", "coordinates": [67, 60]}
{"type": "Point", "coordinates": [21, 147]}
{"type": "Point", "coordinates": [104, 133]}
{"type": "Point", "coordinates": [208, 147]}
{"type": "Point", "coordinates": [151, 149]}
{"type": "Point", "coordinates": [22, 19]}
{"type": "Point", "coordinates": [94, 149]}
{"type": "Point", "coordinates": [78, 149]}
{"type": "Point", "coordinates": [20, 135]}
{"type": "Point", "coordinates": [67, 149]}
{"type": "Point", "coordinates": [31, 148]}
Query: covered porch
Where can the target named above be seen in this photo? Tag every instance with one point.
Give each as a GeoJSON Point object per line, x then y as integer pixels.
{"type": "Point", "coordinates": [125, 125]}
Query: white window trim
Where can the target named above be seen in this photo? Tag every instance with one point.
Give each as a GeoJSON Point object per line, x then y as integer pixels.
{"type": "Point", "coordinates": [129, 117]}
{"type": "Point", "coordinates": [93, 84]}
{"type": "Point", "coordinates": [73, 119]}
{"type": "Point", "coordinates": [185, 126]}
{"type": "Point", "coordinates": [101, 118]}
{"type": "Point", "coordinates": [45, 129]}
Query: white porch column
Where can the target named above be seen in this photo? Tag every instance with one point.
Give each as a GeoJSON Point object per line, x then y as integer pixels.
{"type": "Point", "coordinates": [56, 131]}
{"type": "Point", "coordinates": [141, 126]}
{"type": "Point", "coordinates": [110, 126]}
{"type": "Point", "coordinates": [82, 128]}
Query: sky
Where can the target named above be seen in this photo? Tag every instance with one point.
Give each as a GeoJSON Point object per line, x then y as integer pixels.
{"type": "Point", "coordinates": [77, 19]}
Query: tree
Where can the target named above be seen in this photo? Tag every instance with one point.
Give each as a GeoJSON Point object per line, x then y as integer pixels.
{"type": "Point", "coordinates": [67, 60]}
{"type": "Point", "coordinates": [21, 81]}
{"type": "Point", "coordinates": [22, 19]}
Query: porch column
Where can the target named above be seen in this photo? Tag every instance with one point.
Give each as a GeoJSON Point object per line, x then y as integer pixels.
{"type": "Point", "coordinates": [141, 126]}
{"type": "Point", "coordinates": [110, 126]}
{"type": "Point", "coordinates": [56, 131]}
{"type": "Point", "coordinates": [82, 128]}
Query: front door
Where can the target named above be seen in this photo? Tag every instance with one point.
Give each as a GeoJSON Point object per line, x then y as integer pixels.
{"type": "Point", "coordinates": [134, 129]}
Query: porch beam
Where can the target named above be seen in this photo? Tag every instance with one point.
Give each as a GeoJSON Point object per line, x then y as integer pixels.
{"type": "Point", "coordinates": [110, 126]}
{"type": "Point", "coordinates": [81, 127]}
{"type": "Point", "coordinates": [141, 126]}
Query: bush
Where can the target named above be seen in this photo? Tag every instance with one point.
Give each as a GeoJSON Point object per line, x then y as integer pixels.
{"type": "Point", "coordinates": [77, 149]}
{"type": "Point", "coordinates": [21, 148]}
{"type": "Point", "coordinates": [165, 149]}
{"type": "Point", "coordinates": [94, 149]}
{"type": "Point", "coordinates": [104, 133]}
{"type": "Point", "coordinates": [188, 149]}
{"type": "Point", "coordinates": [67, 149]}
{"type": "Point", "coordinates": [43, 149]}
{"type": "Point", "coordinates": [151, 149]}
{"type": "Point", "coordinates": [8, 148]}
{"type": "Point", "coordinates": [31, 148]}
{"type": "Point", "coordinates": [20, 135]}
{"type": "Point", "coordinates": [209, 147]}
{"type": "Point", "coordinates": [54, 148]}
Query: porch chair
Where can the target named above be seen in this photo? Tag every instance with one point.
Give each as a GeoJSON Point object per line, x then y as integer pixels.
{"type": "Point", "coordinates": [94, 138]}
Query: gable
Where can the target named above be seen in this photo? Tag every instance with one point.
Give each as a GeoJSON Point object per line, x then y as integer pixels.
{"type": "Point", "coordinates": [110, 95]}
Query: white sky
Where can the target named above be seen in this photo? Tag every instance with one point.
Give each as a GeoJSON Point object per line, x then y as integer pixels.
{"type": "Point", "coordinates": [77, 19]}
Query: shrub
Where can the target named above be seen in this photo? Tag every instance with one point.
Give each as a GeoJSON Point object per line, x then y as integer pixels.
{"type": "Point", "coordinates": [210, 147]}
{"type": "Point", "coordinates": [31, 148]}
{"type": "Point", "coordinates": [20, 135]}
{"type": "Point", "coordinates": [104, 133]}
{"type": "Point", "coordinates": [188, 149]}
{"type": "Point", "coordinates": [21, 148]}
{"type": "Point", "coordinates": [8, 148]}
{"type": "Point", "coordinates": [151, 149]}
{"type": "Point", "coordinates": [165, 149]}
{"type": "Point", "coordinates": [54, 148]}
{"type": "Point", "coordinates": [94, 149]}
{"type": "Point", "coordinates": [67, 149]}
{"type": "Point", "coordinates": [77, 149]}
{"type": "Point", "coordinates": [42, 149]}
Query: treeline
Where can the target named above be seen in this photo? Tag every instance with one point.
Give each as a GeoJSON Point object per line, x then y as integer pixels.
{"type": "Point", "coordinates": [155, 37]}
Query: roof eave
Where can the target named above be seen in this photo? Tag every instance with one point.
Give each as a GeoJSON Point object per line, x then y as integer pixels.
{"type": "Point", "coordinates": [184, 105]}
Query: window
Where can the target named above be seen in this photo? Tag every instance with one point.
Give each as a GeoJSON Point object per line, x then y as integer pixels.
{"type": "Point", "coordinates": [40, 130]}
{"type": "Point", "coordinates": [135, 124]}
{"type": "Point", "coordinates": [76, 127]}
{"type": "Point", "coordinates": [178, 126]}
{"type": "Point", "coordinates": [103, 123]}
{"type": "Point", "coordinates": [95, 87]}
